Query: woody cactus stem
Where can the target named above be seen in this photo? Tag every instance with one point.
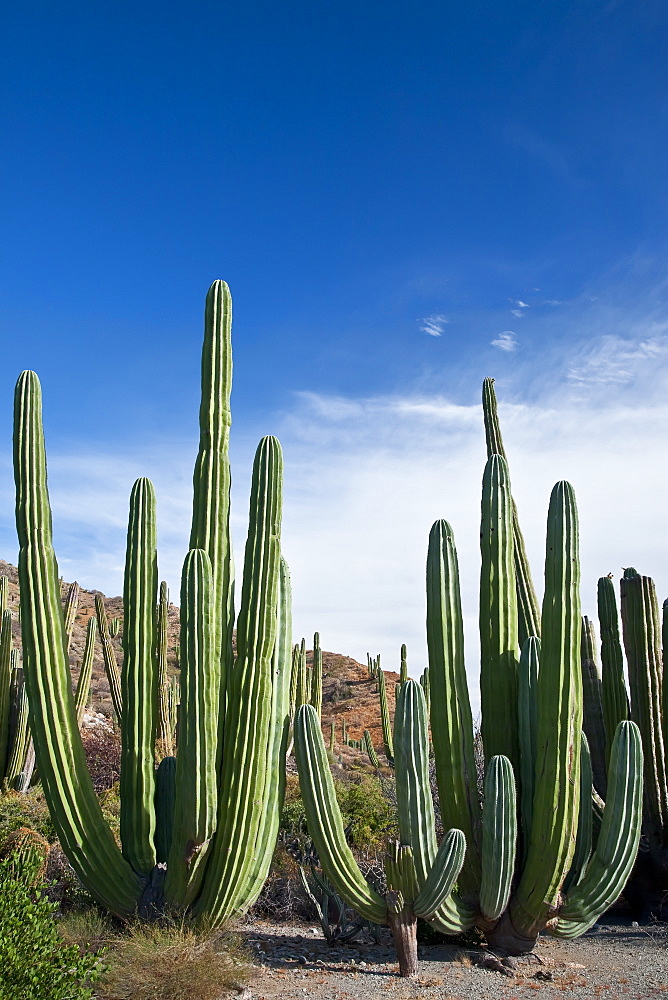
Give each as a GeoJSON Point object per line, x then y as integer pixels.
{"type": "Point", "coordinates": [527, 601]}
{"type": "Point", "coordinates": [86, 672]}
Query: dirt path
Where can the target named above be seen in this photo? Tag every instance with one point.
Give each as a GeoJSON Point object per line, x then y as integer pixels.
{"type": "Point", "coordinates": [615, 960]}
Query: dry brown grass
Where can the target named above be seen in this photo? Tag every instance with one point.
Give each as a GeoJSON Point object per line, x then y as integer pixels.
{"type": "Point", "coordinates": [175, 962]}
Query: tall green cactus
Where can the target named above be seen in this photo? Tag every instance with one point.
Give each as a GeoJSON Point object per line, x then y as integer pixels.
{"type": "Point", "coordinates": [316, 679]}
{"type": "Point", "coordinates": [109, 656]}
{"type": "Point", "coordinates": [165, 729]}
{"type": "Point", "coordinates": [548, 731]}
{"type": "Point", "coordinates": [613, 689]}
{"type": "Point", "coordinates": [82, 691]}
{"type": "Point", "coordinates": [218, 854]}
{"type": "Point", "coordinates": [420, 877]}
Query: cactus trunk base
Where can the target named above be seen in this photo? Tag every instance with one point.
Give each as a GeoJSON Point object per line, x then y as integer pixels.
{"type": "Point", "coordinates": [403, 925]}
{"type": "Point", "coordinates": [505, 937]}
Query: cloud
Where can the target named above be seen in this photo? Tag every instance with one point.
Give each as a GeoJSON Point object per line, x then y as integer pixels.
{"type": "Point", "coordinates": [521, 305]}
{"type": "Point", "coordinates": [616, 361]}
{"type": "Point", "coordinates": [433, 325]}
{"type": "Point", "coordinates": [506, 341]}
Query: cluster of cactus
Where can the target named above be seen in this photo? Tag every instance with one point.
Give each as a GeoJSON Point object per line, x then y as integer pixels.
{"type": "Point", "coordinates": [17, 759]}
{"type": "Point", "coordinates": [524, 861]}
{"type": "Point", "coordinates": [197, 835]}
{"type": "Point", "coordinates": [305, 679]}
{"type": "Point", "coordinates": [607, 703]}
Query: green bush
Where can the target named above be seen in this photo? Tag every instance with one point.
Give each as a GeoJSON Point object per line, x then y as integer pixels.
{"type": "Point", "coordinates": [29, 809]}
{"type": "Point", "coordinates": [35, 964]}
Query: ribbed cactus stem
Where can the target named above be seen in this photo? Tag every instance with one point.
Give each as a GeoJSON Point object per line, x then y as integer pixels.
{"type": "Point", "coordinates": [77, 817]}
{"type": "Point", "coordinates": [450, 708]}
{"type": "Point", "coordinates": [370, 749]}
{"type": "Point", "coordinates": [642, 640]}
{"type": "Point", "coordinates": [70, 610]}
{"type": "Point", "coordinates": [559, 723]}
{"type": "Point", "coordinates": [4, 594]}
{"type": "Point", "coordinates": [5, 687]}
{"type": "Point", "coordinates": [82, 692]}
{"type": "Point", "coordinates": [499, 837]}
{"type": "Point", "coordinates": [528, 721]}
{"type": "Point", "coordinates": [139, 682]}
{"type": "Point", "coordinates": [332, 736]}
{"type": "Point", "coordinates": [403, 670]}
{"type": "Point", "coordinates": [325, 823]}
{"type": "Point", "coordinates": [617, 844]}
{"type": "Point", "coordinates": [196, 786]}
{"type": "Point", "coordinates": [499, 651]}
{"type": "Point", "coordinates": [592, 716]}
{"type": "Point", "coordinates": [527, 601]}
{"type": "Point", "coordinates": [20, 741]}
{"type": "Point", "coordinates": [613, 688]}
{"type": "Point", "coordinates": [109, 657]}
{"type": "Point", "coordinates": [165, 798]}
{"type": "Point", "coordinates": [316, 681]}
{"type": "Point", "coordinates": [211, 479]}
{"type": "Point", "coordinates": [244, 776]}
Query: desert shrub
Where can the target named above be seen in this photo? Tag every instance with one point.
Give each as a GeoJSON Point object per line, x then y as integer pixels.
{"type": "Point", "coordinates": [35, 964]}
{"type": "Point", "coordinates": [174, 962]}
{"type": "Point", "coordinates": [27, 852]}
{"type": "Point", "coordinates": [25, 810]}
{"type": "Point", "coordinates": [368, 817]}
{"type": "Point", "coordinates": [102, 746]}
{"type": "Point", "coordinates": [340, 690]}
{"type": "Point", "coordinates": [110, 801]}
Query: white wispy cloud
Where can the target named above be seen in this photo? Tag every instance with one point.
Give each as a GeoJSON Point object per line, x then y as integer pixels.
{"type": "Point", "coordinates": [433, 325]}
{"type": "Point", "coordinates": [506, 341]}
{"type": "Point", "coordinates": [618, 361]}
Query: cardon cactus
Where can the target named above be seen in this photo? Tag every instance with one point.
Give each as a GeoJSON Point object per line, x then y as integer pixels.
{"type": "Point", "coordinates": [516, 894]}
{"type": "Point", "coordinates": [644, 634]}
{"type": "Point", "coordinates": [16, 758]}
{"type": "Point", "coordinates": [420, 875]}
{"type": "Point", "coordinates": [215, 814]}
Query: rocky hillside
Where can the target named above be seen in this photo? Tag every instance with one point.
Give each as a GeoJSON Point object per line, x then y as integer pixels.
{"type": "Point", "coordinates": [348, 692]}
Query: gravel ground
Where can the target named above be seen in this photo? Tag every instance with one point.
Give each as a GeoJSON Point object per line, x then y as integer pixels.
{"type": "Point", "coordinates": [614, 960]}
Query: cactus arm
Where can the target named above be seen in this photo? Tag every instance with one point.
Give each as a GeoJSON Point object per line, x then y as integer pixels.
{"type": "Point", "coordinates": [316, 680]}
{"type": "Point", "coordinates": [499, 836]}
{"type": "Point", "coordinates": [324, 820]}
{"type": "Point", "coordinates": [529, 663]}
{"type": "Point", "coordinates": [450, 709]}
{"type": "Point", "coordinates": [447, 864]}
{"type": "Point", "coordinates": [403, 670]}
{"type": "Point", "coordinates": [559, 723]}
{"type": "Point", "coordinates": [165, 731]}
{"type": "Point", "coordinates": [584, 839]}
{"type": "Point", "coordinates": [139, 682]}
{"type": "Point", "coordinates": [86, 672]}
{"type": "Point", "coordinates": [411, 763]}
{"type": "Point", "coordinates": [243, 783]}
{"type": "Point", "coordinates": [5, 687]}
{"type": "Point", "coordinates": [109, 657]}
{"type": "Point", "coordinates": [4, 594]}
{"type": "Point", "coordinates": [613, 689]}
{"type": "Point", "coordinates": [618, 840]}
{"type": "Point", "coordinates": [499, 652]}
{"type": "Point", "coordinates": [592, 705]}
{"type": "Point", "coordinates": [77, 817]}
{"type": "Point", "coordinates": [20, 730]}
{"type": "Point", "coordinates": [280, 731]}
{"type": "Point", "coordinates": [528, 608]}
{"type": "Point", "coordinates": [211, 479]}
{"type": "Point", "coordinates": [642, 641]}
{"type": "Point", "coordinates": [196, 791]}
{"type": "Point", "coordinates": [165, 799]}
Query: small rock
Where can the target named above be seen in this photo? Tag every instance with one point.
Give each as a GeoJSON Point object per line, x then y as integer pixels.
{"type": "Point", "coordinates": [543, 975]}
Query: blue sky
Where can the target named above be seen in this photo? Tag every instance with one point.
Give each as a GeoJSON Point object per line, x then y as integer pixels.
{"type": "Point", "coordinates": [404, 199]}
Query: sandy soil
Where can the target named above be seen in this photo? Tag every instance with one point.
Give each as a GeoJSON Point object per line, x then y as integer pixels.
{"type": "Point", "coordinates": [614, 960]}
